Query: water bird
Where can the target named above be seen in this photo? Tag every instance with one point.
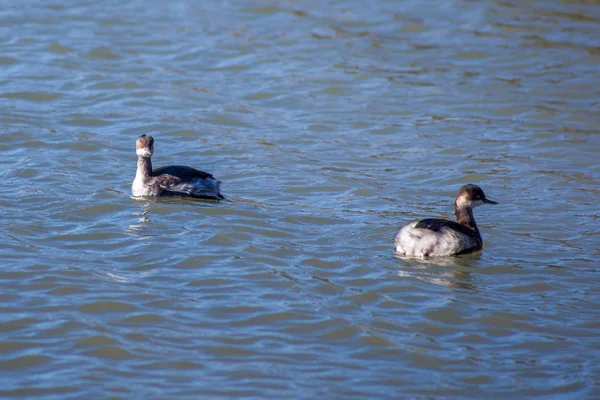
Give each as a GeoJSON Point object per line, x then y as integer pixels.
{"type": "Point", "coordinates": [434, 237]}
{"type": "Point", "coordinates": [174, 180]}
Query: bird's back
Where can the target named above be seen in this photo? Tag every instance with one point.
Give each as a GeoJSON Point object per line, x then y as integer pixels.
{"type": "Point", "coordinates": [180, 180]}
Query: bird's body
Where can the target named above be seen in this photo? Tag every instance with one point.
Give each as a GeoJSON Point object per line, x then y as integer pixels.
{"type": "Point", "coordinates": [433, 237]}
{"type": "Point", "coordinates": [174, 180]}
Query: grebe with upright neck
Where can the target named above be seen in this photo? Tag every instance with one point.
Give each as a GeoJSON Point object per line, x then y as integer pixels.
{"type": "Point", "coordinates": [174, 180]}
{"type": "Point", "coordinates": [433, 237]}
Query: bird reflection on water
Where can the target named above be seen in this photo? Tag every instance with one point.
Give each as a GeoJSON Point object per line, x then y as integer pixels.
{"type": "Point", "coordinates": [143, 220]}
{"type": "Point", "coordinates": [452, 272]}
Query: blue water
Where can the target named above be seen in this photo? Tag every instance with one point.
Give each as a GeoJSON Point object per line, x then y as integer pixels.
{"type": "Point", "coordinates": [330, 124]}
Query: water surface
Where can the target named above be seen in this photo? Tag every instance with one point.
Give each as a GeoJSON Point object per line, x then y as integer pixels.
{"type": "Point", "coordinates": [331, 124]}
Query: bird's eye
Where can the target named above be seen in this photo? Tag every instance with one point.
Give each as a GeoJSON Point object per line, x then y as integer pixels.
{"type": "Point", "coordinates": [477, 197]}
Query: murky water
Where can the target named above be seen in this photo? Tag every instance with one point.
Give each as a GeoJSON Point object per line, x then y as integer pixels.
{"type": "Point", "coordinates": [330, 124]}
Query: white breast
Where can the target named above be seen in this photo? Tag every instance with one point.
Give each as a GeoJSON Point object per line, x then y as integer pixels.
{"type": "Point", "coordinates": [138, 188]}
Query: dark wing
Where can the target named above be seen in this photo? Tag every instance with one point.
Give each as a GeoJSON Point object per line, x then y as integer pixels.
{"type": "Point", "coordinates": [182, 172]}
{"type": "Point", "coordinates": [179, 180]}
{"type": "Point", "coordinates": [438, 225]}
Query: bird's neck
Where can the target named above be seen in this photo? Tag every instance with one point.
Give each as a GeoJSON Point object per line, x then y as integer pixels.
{"type": "Point", "coordinates": [464, 216]}
{"type": "Point", "coordinates": [144, 168]}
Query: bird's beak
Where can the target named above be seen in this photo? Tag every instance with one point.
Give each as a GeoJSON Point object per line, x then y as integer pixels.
{"type": "Point", "coordinates": [488, 201]}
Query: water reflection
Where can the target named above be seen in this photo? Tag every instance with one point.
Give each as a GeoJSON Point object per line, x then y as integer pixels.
{"type": "Point", "coordinates": [452, 272]}
{"type": "Point", "coordinates": [143, 219]}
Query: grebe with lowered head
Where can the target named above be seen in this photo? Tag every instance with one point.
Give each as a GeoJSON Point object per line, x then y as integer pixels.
{"type": "Point", "coordinates": [433, 237]}
{"type": "Point", "coordinates": [174, 180]}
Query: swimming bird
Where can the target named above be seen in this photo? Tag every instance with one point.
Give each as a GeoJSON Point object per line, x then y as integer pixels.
{"type": "Point", "coordinates": [174, 180]}
{"type": "Point", "coordinates": [433, 237]}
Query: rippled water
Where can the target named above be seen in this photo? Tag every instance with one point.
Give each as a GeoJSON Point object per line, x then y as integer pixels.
{"type": "Point", "coordinates": [330, 124]}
